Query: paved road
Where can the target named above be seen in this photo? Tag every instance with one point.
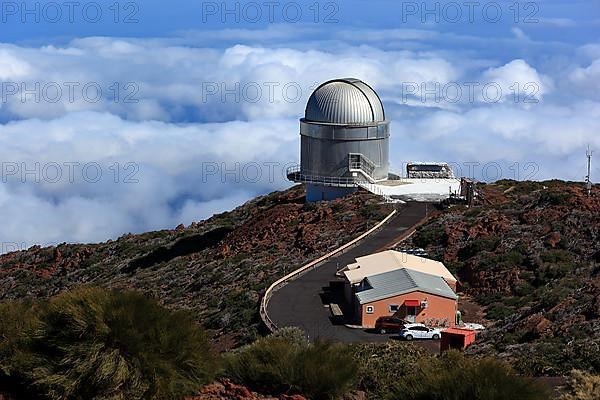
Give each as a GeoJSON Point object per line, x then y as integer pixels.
{"type": "Point", "coordinates": [300, 303]}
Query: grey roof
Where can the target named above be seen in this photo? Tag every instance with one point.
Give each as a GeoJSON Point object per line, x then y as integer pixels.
{"type": "Point", "coordinates": [401, 281]}
{"type": "Point", "coordinates": [346, 101]}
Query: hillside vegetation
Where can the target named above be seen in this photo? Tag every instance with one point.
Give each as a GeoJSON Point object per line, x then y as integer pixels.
{"type": "Point", "coordinates": [530, 257]}
{"type": "Point", "coordinates": [216, 268]}
{"type": "Point", "coordinates": [384, 371]}
{"type": "Point", "coordinates": [70, 328]}
{"type": "Point", "coordinates": [101, 344]}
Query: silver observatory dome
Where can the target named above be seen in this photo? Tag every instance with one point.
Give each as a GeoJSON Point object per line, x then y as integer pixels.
{"type": "Point", "coordinates": [344, 140]}
{"type": "Point", "coordinates": [345, 101]}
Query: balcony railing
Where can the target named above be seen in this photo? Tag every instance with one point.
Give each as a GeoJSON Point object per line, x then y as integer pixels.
{"type": "Point", "coordinates": [296, 174]}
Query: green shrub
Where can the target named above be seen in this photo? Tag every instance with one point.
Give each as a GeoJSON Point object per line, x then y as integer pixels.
{"type": "Point", "coordinates": [286, 362]}
{"type": "Point", "coordinates": [371, 211]}
{"type": "Point", "coordinates": [552, 296]}
{"type": "Point", "coordinates": [323, 371]}
{"type": "Point", "coordinates": [556, 356]}
{"type": "Point", "coordinates": [498, 311]}
{"type": "Point", "coordinates": [455, 267]}
{"type": "Point", "coordinates": [489, 243]}
{"type": "Point", "coordinates": [432, 234]}
{"type": "Point", "coordinates": [487, 298]}
{"type": "Point", "coordinates": [556, 256]}
{"type": "Point", "coordinates": [99, 344]}
{"type": "Point", "coordinates": [455, 376]}
{"type": "Point", "coordinates": [381, 365]}
{"type": "Point", "coordinates": [262, 365]}
{"type": "Point", "coordinates": [582, 386]}
{"type": "Point", "coordinates": [502, 261]}
{"type": "Point", "coordinates": [473, 212]}
{"type": "Point", "coordinates": [554, 198]}
{"type": "Point", "coordinates": [15, 318]}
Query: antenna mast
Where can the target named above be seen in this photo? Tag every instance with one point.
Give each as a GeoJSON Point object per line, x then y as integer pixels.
{"type": "Point", "coordinates": [588, 181]}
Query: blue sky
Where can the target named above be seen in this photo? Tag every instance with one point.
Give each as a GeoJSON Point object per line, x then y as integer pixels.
{"type": "Point", "coordinates": [163, 114]}
{"type": "Point", "coordinates": [34, 21]}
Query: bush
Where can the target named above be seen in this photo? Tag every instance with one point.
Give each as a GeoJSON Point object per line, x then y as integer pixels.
{"type": "Point", "coordinates": [498, 311]}
{"type": "Point", "coordinates": [323, 371]}
{"type": "Point", "coordinates": [371, 211]}
{"type": "Point", "coordinates": [582, 386]}
{"type": "Point", "coordinates": [263, 365]}
{"type": "Point", "coordinates": [432, 234]}
{"type": "Point", "coordinates": [556, 256]}
{"type": "Point", "coordinates": [381, 365]}
{"type": "Point", "coordinates": [486, 298]}
{"type": "Point", "coordinates": [454, 376]}
{"type": "Point", "coordinates": [501, 261]}
{"type": "Point", "coordinates": [286, 362]}
{"type": "Point", "coordinates": [455, 267]}
{"type": "Point", "coordinates": [14, 318]}
{"type": "Point", "coordinates": [488, 243]}
{"type": "Point", "coordinates": [93, 343]}
{"type": "Point", "coordinates": [554, 198]}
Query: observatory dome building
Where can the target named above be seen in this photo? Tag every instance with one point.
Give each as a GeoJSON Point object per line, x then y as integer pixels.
{"type": "Point", "coordinates": [344, 140]}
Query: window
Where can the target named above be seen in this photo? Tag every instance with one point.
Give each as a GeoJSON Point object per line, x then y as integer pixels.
{"type": "Point", "coordinates": [370, 309]}
{"type": "Point", "coordinates": [394, 307]}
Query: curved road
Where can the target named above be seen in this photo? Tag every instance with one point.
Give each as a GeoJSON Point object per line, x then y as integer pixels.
{"type": "Point", "coordinates": [300, 303]}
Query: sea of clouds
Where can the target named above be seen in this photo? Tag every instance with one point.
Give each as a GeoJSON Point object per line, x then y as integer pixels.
{"type": "Point", "coordinates": [101, 136]}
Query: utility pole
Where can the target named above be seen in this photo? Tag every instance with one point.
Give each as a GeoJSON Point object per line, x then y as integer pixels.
{"type": "Point", "coordinates": [588, 180]}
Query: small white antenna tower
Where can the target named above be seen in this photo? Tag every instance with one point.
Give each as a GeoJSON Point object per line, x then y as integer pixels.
{"type": "Point", "coordinates": [588, 180]}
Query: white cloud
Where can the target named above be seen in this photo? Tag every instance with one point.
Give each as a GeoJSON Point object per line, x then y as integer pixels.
{"type": "Point", "coordinates": [11, 66]}
{"type": "Point", "coordinates": [153, 174]}
{"type": "Point", "coordinates": [180, 126]}
{"type": "Point", "coordinates": [519, 34]}
{"type": "Point", "coordinates": [546, 135]}
{"type": "Point", "coordinates": [554, 22]}
{"type": "Point", "coordinates": [516, 80]}
{"type": "Point", "coordinates": [150, 80]}
{"type": "Point", "coordinates": [587, 79]}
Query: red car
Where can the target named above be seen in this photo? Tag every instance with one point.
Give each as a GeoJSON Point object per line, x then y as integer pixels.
{"type": "Point", "coordinates": [389, 324]}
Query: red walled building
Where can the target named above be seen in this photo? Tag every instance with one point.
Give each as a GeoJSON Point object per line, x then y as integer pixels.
{"type": "Point", "coordinates": [411, 295]}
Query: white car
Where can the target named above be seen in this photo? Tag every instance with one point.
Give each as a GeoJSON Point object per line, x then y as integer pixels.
{"type": "Point", "coordinates": [419, 331]}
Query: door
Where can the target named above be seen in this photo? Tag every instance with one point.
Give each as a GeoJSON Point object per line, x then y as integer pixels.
{"type": "Point", "coordinates": [422, 332]}
{"type": "Point", "coordinates": [411, 313]}
{"type": "Point", "coordinates": [416, 332]}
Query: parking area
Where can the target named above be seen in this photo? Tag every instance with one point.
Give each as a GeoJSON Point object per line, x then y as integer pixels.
{"type": "Point", "coordinates": [306, 302]}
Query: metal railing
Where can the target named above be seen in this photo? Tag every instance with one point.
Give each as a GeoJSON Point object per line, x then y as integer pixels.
{"type": "Point", "coordinates": [295, 174]}
{"type": "Point", "coordinates": [376, 190]}
{"type": "Point", "coordinates": [357, 162]}
{"type": "Point", "coordinates": [278, 284]}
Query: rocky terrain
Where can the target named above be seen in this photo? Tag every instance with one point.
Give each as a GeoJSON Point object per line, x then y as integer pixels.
{"type": "Point", "coordinates": [530, 258]}
{"type": "Point", "coordinates": [227, 390]}
{"type": "Point", "coordinates": [217, 268]}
